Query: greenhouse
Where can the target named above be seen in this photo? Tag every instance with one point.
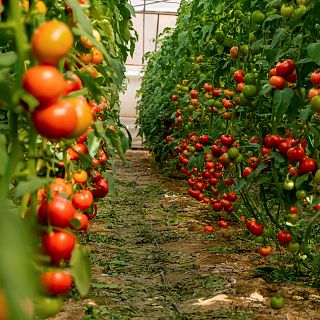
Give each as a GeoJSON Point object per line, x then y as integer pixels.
{"type": "Point", "coordinates": [159, 160]}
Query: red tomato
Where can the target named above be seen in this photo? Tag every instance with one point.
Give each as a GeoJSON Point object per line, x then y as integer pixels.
{"type": "Point", "coordinates": [96, 176]}
{"type": "Point", "coordinates": [73, 83]}
{"type": "Point", "coordinates": [208, 229]}
{"type": "Point", "coordinates": [227, 140]}
{"type": "Point", "coordinates": [174, 97]}
{"type": "Point", "coordinates": [59, 245]}
{"type": "Point", "coordinates": [82, 199]}
{"type": "Point", "coordinates": [278, 82]}
{"type": "Point", "coordinates": [223, 224]}
{"type": "Point", "coordinates": [307, 165]}
{"type": "Point", "coordinates": [284, 237]}
{"type": "Point", "coordinates": [58, 212]}
{"type": "Point", "coordinates": [234, 52]}
{"type": "Point", "coordinates": [315, 78]}
{"type": "Point", "coordinates": [253, 162]}
{"type": "Point", "coordinates": [247, 171]}
{"type": "Point", "coordinates": [78, 148]}
{"type": "Point", "coordinates": [57, 120]}
{"type": "Point", "coordinates": [45, 83]}
{"type": "Point", "coordinates": [295, 154]}
{"type": "Point", "coordinates": [255, 228]}
{"type": "Point", "coordinates": [238, 76]}
{"type": "Point", "coordinates": [83, 219]}
{"type": "Point", "coordinates": [194, 94]}
{"type": "Point", "coordinates": [207, 87]}
{"type": "Point", "coordinates": [51, 41]}
{"type": "Point", "coordinates": [285, 68]}
{"type": "Point", "coordinates": [232, 197]}
{"type": "Point", "coordinates": [94, 212]}
{"type": "Point", "coordinates": [101, 189]}
{"type": "Point", "coordinates": [56, 282]}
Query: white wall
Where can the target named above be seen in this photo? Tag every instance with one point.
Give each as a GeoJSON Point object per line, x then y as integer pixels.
{"type": "Point", "coordinates": [148, 27]}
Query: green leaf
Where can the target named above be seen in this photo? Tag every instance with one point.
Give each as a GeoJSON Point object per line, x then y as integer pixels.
{"type": "Point", "coordinates": [239, 185]}
{"type": "Point", "coordinates": [183, 38]}
{"type": "Point", "coordinates": [93, 143]}
{"type": "Point", "coordinates": [3, 154]}
{"type": "Point", "coordinates": [300, 181]}
{"type": "Point", "coordinates": [79, 15]}
{"type": "Point", "coordinates": [281, 102]}
{"type": "Point", "coordinates": [30, 185]}
{"type": "Point", "coordinates": [313, 52]}
{"type": "Point", "coordinates": [277, 157]}
{"type": "Point", "coordinates": [110, 178]}
{"type": "Point", "coordinates": [80, 269]}
{"type": "Point", "coordinates": [7, 59]}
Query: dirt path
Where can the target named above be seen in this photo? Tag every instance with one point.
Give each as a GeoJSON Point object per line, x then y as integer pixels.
{"type": "Point", "coordinates": [152, 260]}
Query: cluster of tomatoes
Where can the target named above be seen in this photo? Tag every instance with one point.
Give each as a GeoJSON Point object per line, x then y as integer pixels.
{"type": "Point", "coordinates": [55, 116]}
{"type": "Point", "coordinates": [284, 73]}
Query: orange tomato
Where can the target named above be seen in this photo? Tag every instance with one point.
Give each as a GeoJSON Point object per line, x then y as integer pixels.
{"type": "Point", "coordinates": [90, 69]}
{"type": "Point", "coordinates": [86, 42]}
{"type": "Point", "coordinates": [80, 177]}
{"type": "Point", "coordinates": [97, 56]}
{"type": "Point", "coordinates": [45, 83]}
{"type": "Point", "coordinates": [85, 58]}
{"type": "Point", "coordinates": [84, 117]}
{"type": "Point", "coordinates": [3, 306]}
{"type": "Point", "coordinates": [51, 41]}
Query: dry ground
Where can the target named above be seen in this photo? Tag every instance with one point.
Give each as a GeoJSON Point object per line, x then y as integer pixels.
{"type": "Point", "coordinates": [152, 260]}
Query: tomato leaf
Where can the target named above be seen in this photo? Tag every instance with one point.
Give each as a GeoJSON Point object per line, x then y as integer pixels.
{"type": "Point", "coordinates": [313, 52]}
{"type": "Point", "coordinates": [79, 15]}
{"type": "Point", "coordinates": [300, 181]}
{"type": "Point", "coordinates": [277, 157]}
{"type": "Point", "coordinates": [80, 269]}
{"type": "Point", "coordinates": [281, 102]}
{"type": "Point", "coordinates": [93, 143]}
{"type": "Point", "coordinates": [30, 185]}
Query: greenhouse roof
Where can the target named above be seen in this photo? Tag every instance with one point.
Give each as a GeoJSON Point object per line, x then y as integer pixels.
{"type": "Point", "coordinates": [166, 6]}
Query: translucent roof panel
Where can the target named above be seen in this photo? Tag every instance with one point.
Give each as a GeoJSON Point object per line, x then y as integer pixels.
{"type": "Point", "coordinates": [156, 5]}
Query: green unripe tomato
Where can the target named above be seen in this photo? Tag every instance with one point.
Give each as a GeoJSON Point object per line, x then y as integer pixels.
{"type": "Point", "coordinates": [287, 11]}
{"type": "Point", "coordinates": [293, 247]}
{"type": "Point", "coordinates": [257, 17]}
{"type": "Point", "coordinates": [250, 91]}
{"type": "Point", "coordinates": [276, 4]}
{"type": "Point", "coordinates": [317, 177]}
{"type": "Point", "coordinates": [238, 159]}
{"type": "Point", "coordinates": [277, 302]}
{"type": "Point", "coordinates": [233, 153]}
{"type": "Point", "coordinates": [267, 232]}
{"type": "Point", "coordinates": [252, 37]}
{"type": "Point", "coordinates": [288, 185]}
{"type": "Point", "coordinates": [259, 239]}
{"type": "Point", "coordinates": [300, 11]}
{"type": "Point", "coordinates": [244, 49]}
{"type": "Point", "coordinates": [301, 194]}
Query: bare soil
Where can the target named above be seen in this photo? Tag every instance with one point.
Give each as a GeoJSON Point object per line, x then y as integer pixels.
{"type": "Point", "coordinates": [152, 260]}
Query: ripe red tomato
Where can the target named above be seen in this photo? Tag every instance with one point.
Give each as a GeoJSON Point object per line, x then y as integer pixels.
{"type": "Point", "coordinates": [264, 250]}
{"type": "Point", "coordinates": [59, 245]}
{"type": "Point", "coordinates": [253, 162]}
{"type": "Point", "coordinates": [255, 228]}
{"type": "Point", "coordinates": [315, 78]}
{"type": "Point", "coordinates": [307, 165]}
{"type": "Point", "coordinates": [208, 229]}
{"type": "Point", "coordinates": [83, 219]}
{"type": "Point", "coordinates": [51, 41]}
{"type": "Point", "coordinates": [92, 212]}
{"type": "Point", "coordinates": [77, 148]}
{"type": "Point", "coordinates": [82, 199]}
{"type": "Point", "coordinates": [240, 87]}
{"type": "Point", "coordinates": [293, 210]}
{"type": "Point", "coordinates": [101, 189]}
{"type": "Point", "coordinates": [284, 146]}
{"type": "Point", "coordinates": [174, 97]}
{"type": "Point", "coordinates": [217, 207]}
{"type": "Point", "coordinates": [284, 237]}
{"type": "Point", "coordinates": [223, 224]}
{"type": "Point", "coordinates": [56, 282]}
{"type": "Point", "coordinates": [296, 154]}
{"type": "Point", "coordinates": [292, 77]}
{"type": "Point", "coordinates": [238, 76]}
{"type": "Point", "coordinates": [57, 120]}
{"type": "Point", "coordinates": [227, 140]}
{"type": "Point", "coordinates": [73, 83]}
{"type": "Point", "coordinates": [247, 171]}
{"type": "Point", "coordinates": [194, 94]}
{"type": "Point", "coordinates": [45, 83]}
{"type": "Point", "coordinates": [232, 197]}
{"type": "Point", "coordinates": [285, 68]}
{"type": "Point", "coordinates": [204, 139]}
{"type": "Point", "coordinates": [278, 82]}
{"type": "Point", "coordinates": [58, 211]}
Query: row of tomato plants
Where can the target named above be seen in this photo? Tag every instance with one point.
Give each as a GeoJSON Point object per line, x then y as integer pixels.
{"type": "Point", "coordinates": [232, 99]}
{"type": "Point", "coordinates": [61, 71]}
